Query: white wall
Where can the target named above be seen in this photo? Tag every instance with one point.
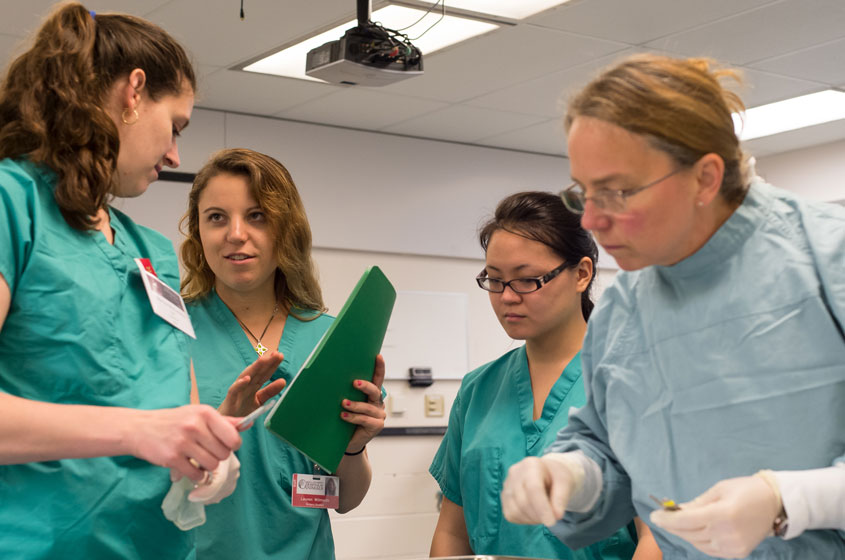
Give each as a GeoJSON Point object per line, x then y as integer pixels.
{"type": "Point", "coordinates": [817, 173]}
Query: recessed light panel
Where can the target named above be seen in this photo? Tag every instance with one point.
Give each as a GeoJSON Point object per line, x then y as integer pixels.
{"type": "Point", "coordinates": [514, 9]}
{"type": "Point", "coordinates": [790, 114]}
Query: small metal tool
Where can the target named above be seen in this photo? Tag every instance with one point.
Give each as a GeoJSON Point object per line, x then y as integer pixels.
{"type": "Point", "coordinates": [665, 503]}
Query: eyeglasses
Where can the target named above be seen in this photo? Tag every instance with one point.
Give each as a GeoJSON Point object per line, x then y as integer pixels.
{"type": "Point", "coordinates": [610, 200]}
{"type": "Point", "coordinates": [518, 285]}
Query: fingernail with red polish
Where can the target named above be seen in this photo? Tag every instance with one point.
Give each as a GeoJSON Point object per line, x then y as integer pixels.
{"type": "Point", "coordinates": [358, 383]}
{"type": "Point", "coordinates": [345, 414]}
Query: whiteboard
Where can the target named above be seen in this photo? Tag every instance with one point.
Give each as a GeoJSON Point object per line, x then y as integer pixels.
{"type": "Point", "coordinates": [427, 329]}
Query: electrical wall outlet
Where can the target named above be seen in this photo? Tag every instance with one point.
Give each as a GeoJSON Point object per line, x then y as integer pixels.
{"type": "Point", "coordinates": [434, 405]}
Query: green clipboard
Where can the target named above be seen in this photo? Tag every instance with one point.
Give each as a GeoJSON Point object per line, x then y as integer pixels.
{"type": "Point", "coordinates": [307, 415]}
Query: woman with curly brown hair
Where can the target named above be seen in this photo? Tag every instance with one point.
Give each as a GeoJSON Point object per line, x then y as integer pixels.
{"type": "Point", "coordinates": [252, 289]}
{"type": "Point", "coordinates": [92, 381]}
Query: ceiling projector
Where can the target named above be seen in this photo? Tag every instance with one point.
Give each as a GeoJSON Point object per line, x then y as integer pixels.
{"type": "Point", "coordinates": [366, 55]}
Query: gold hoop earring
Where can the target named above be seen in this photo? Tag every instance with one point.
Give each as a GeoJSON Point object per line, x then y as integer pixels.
{"type": "Point", "coordinates": [125, 118]}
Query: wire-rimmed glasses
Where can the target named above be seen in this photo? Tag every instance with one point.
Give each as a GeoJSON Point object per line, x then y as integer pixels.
{"type": "Point", "coordinates": [609, 200]}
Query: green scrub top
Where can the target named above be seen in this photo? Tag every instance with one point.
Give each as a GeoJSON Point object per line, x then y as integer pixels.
{"type": "Point", "coordinates": [257, 520]}
{"type": "Point", "coordinates": [491, 427]}
{"type": "Point", "coordinates": [80, 330]}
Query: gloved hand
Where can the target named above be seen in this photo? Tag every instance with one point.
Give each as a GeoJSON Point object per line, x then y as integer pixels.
{"type": "Point", "coordinates": [185, 502]}
{"type": "Point", "coordinates": [537, 489]}
{"type": "Point", "coordinates": [729, 520]}
{"type": "Point", "coordinates": [222, 482]}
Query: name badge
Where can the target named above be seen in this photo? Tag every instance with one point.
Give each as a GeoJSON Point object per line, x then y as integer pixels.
{"type": "Point", "coordinates": [166, 302]}
{"type": "Point", "coordinates": [314, 491]}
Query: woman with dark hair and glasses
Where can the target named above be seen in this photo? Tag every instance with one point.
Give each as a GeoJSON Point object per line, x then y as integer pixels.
{"type": "Point", "coordinates": [540, 266]}
{"type": "Point", "coordinates": [720, 344]}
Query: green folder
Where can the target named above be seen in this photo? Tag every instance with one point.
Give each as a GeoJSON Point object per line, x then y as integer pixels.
{"type": "Point", "coordinates": [308, 413]}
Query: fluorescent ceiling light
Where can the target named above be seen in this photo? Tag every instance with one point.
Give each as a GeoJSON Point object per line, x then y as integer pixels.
{"type": "Point", "coordinates": [790, 114]}
{"type": "Point", "coordinates": [514, 9]}
{"type": "Point", "coordinates": [452, 29]}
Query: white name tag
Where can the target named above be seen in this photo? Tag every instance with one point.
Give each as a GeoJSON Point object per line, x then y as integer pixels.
{"type": "Point", "coordinates": [166, 302]}
{"type": "Point", "coordinates": [314, 491]}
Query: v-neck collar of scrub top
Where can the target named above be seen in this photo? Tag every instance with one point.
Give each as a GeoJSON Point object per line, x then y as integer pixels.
{"type": "Point", "coordinates": [727, 240]}
{"type": "Point", "coordinates": [115, 252]}
{"type": "Point", "coordinates": [532, 429]}
{"type": "Point", "coordinates": [227, 320]}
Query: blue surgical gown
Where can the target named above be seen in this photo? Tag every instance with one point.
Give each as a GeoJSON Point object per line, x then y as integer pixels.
{"type": "Point", "coordinates": [80, 330]}
{"type": "Point", "coordinates": [257, 521]}
{"type": "Point", "coordinates": [491, 427]}
{"type": "Point", "coordinates": [723, 364]}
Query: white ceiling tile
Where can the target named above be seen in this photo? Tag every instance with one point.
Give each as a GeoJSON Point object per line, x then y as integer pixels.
{"type": "Point", "coordinates": [215, 35]}
{"type": "Point", "coordinates": [822, 63]}
{"type": "Point", "coordinates": [547, 95]}
{"type": "Point", "coordinates": [462, 123]}
{"type": "Point", "coordinates": [364, 108]}
{"type": "Point", "coordinates": [640, 21]}
{"type": "Point", "coordinates": [21, 19]}
{"type": "Point", "coordinates": [796, 139]}
{"type": "Point", "coordinates": [761, 33]}
{"type": "Point", "coordinates": [761, 88]}
{"type": "Point", "coordinates": [500, 59]}
{"type": "Point", "coordinates": [545, 138]}
{"type": "Point", "coordinates": [257, 94]}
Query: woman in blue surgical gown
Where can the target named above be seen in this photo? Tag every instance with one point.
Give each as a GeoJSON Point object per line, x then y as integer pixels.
{"type": "Point", "coordinates": [539, 272]}
{"type": "Point", "coordinates": [715, 364]}
{"type": "Point", "coordinates": [91, 111]}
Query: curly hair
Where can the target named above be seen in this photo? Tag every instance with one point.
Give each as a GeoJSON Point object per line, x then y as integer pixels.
{"type": "Point", "coordinates": [53, 96]}
{"type": "Point", "coordinates": [679, 105]}
{"type": "Point", "coordinates": [273, 188]}
{"type": "Point", "coordinates": [542, 217]}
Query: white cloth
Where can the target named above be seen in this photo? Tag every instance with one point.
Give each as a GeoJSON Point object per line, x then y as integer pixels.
{"type": "Point", "coordinates": [185, 502]}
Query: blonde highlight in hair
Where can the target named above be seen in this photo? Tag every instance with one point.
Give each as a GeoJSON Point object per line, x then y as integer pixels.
{"type": "Point", "coordinates": [273, 188]}
{"type": "Point", "coordinates": [679, 105]}
{"type": "Point", "coordinates": [53, 97]}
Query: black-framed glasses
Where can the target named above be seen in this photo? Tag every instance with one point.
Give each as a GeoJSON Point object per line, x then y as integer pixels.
{"type": "Point", "coordinates": [609, 200]}
{"type": "Point", "coordinates": [518, 285]}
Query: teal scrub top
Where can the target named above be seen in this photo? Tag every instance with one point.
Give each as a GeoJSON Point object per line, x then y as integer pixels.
{"type": "Point", "coordinates": [257, 520]}
{"type": "Point", "coordinates": [491, 427]}
{"type": "Point", "coordinates": [728, 362]}
{"type": "Point", "coordinates": [80, 330]}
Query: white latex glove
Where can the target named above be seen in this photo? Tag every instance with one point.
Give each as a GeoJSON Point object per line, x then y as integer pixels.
{"type": "Point", "coordinates": [185, 502]}
{"type": "Point", "coordinates": [728, 521]}
{"type": "Point", "coordinates": [184, 514]}
{"type": "Point", "coordinates": [537, 489]}
{"type": "Point", "coordinates": [222, 483]}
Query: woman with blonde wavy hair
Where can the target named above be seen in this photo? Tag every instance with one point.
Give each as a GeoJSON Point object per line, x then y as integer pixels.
{"type": "Point", "coordinates": [252, 289]}
{"type": "Point", "coordinates": [92, 381]}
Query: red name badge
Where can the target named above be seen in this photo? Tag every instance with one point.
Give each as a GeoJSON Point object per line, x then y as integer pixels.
{"type": "Point", "coordinates": [147, 265]}
{"type": "Point", "coordinates": [314, 491]}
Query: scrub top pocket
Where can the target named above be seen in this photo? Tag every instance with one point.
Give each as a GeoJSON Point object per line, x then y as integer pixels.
{"type": "Point", "coordinates": [481, 485]}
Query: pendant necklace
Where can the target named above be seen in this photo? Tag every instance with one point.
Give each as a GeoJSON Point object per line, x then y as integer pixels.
{"type": "Point", "coordinates": [259, 347]}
